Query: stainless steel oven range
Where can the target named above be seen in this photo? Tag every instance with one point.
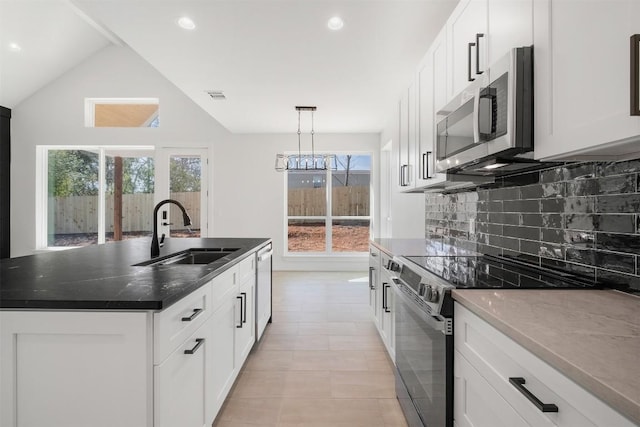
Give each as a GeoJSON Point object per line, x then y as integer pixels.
{"type": "Point", "coordinates": [424, 321]}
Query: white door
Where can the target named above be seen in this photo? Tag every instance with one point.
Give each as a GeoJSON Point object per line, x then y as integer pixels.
{"type": "Point", "coordinates": [182, 175]}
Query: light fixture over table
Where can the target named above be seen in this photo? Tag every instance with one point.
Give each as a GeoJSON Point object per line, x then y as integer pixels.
{"type": "Point", "coordinates": [305, 162]}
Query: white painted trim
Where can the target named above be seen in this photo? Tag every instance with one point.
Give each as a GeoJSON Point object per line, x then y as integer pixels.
{"type": "Point", "coordinates": [108, 34]}
{"type": "Point", "coordinates": [42, 188]}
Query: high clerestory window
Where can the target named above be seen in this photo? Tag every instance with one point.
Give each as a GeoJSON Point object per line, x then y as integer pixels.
{"type": "Point", "coordinates": [122, 112]}
{"type": "Point", "coordinates": [328, 212]}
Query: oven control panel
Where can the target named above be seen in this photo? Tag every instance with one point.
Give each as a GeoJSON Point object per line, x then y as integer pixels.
{"type": "Point", "coordinates": [428, 287]}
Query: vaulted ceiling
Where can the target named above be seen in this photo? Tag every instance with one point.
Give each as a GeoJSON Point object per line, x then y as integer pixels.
{"type": "Point", "coordinates": [266, 56]}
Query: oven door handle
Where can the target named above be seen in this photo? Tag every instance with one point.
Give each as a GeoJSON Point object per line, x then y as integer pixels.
{"type": "Point", "coordinates": [439, 324]}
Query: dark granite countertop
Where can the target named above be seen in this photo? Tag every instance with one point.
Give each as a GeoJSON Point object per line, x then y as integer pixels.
{"type": "Point", "coordinates": [103, 276]}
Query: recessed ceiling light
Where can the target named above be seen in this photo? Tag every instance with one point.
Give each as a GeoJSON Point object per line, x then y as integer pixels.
{"type": "Point", "coordinates": [14, 47]}
{"type": "Point", "coordinates": [186, 23]}
{"type": "Point", "coordinates": [335, 23]}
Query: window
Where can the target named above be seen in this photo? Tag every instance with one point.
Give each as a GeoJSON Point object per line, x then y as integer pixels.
{"type": "Point", "coordinates": [122, 112]}
{"type": "Point", "coordinates": [95, 194]}
{"type": "Point", "coordinates": [328, 211]}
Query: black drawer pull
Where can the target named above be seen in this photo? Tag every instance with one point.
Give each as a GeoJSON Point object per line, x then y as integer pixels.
{"type": "Point", "coordinates": [385, 298]}
{"type": "Point", "coordinates": [199, 342]}
{"type": "Point", "coordinates": [519, 382]}
{"type": "Point", "coordinates": [478, 53]}
{"type": "Point", "coordinates": [196, 313]}
{"type": "Point", "coordinates": [241, 300]}
{"type": "Point", "coordinates": [469, 62]}
{"type": "Point", "coordinates": [372, 285]}
{"type": "Point", "coordinates": [244, 310]}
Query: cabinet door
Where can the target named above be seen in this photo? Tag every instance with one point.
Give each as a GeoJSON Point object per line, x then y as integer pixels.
{"type": "Point", "coordinates": [403, 142]}
{"type": "Point", "coordinates": [431, 92]}
{"type": "Point", "coordinates": [221, 368]}
{"type": "Point", "coordinates": [181, 384]}
{"type": "Point", "coordinates": [387, 318]}
{"type": "Point", "coordinates": [476, 403]}
{"type": "Point", "coordinates": [466, 23]}
{"type": "Point", "coordinates": [61, 369]}
{"type": "Point", "coordinates": [245, 330]}
{"type": "Point", "coordinates": [412, 133]}
{"type": "Point", "coordinates": [510, 25]}
{"type": "Point", "coordinates": [582, 79]}
{"type": "Point", "coordinates": [374, 278]}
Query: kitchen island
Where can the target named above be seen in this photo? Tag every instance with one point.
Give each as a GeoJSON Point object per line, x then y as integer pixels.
{"type": "Point", "coordinates": [89, 338]}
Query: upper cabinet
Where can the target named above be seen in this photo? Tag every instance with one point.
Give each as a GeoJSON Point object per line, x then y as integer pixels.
{"type": "Point", "coordinates": [510, 24]}
{"type": "Point", "coordinates": [432, 93]}
{"type": "Point", "coordinates": [403, 142]}
{"type": "Point", "coordinates": [467, 44]}
{"type": "Point", "coordinates": [582, 80]}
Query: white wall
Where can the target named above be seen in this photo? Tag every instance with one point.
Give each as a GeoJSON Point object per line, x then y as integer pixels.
{"type": "Point", "coordinates": [247, 197]}
{"type": "Point", "coordinates": [405, 216]}
{"type": "Point", "coordinates": [250, 193]}
{"type": "Point", "coordinates": [55, 116]}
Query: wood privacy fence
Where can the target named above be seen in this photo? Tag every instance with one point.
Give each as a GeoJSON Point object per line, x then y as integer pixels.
{"type": "Point", "coordinates": [346, 201]}
{"type": "Point", "coordinates": [79, 214]}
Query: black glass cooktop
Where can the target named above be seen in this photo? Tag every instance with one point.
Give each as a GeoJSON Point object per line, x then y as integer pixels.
{"type": "Point", "coordinates": [487, 271]}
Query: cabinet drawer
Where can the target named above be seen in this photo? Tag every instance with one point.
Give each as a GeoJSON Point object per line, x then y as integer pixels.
{"type": "Point", "coordinates": [247, 268]}
{"type": "Point", "coordinates": [224, 285]}
{"type": "Point", "coordinates": [497, 358]}
{"type": "Point", "coordinates": [175, 324]}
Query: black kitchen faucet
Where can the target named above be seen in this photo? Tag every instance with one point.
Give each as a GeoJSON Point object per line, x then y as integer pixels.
{"type": "Point", "coordinates": [155, 245]}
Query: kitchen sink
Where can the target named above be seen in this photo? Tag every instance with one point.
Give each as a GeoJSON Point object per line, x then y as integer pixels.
{"type": "Point", "coordinates": [191, 257]}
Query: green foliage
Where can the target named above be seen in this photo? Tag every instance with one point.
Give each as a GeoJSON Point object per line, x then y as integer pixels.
{"type": "Point", "coordinates": [73, 173]}
{"type": "Point", "coordinates": [185, 174]}
{"type": "Point", "coordinates": [138, 175]}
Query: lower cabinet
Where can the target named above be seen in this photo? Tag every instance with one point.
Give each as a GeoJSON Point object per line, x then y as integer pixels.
{"type": "Point", "coordinates": [172, 368]}
{"type": "Point", "coordinates": [183, 384]}
{"type": "Point", "coordinates": [222, 369]}
{"type": "Point", "coordinates": [374, 281]}
{"type": "Point", "coordinates": [245, 324]}
{"type": "Point", "coordinates": [497, 381]}
{"type": "Point", "coordinates": [63, 369]}
{"type": "Point", "coordinates": [383, 300]}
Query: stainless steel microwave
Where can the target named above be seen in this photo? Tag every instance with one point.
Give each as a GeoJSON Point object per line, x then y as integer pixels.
{"type": "Point", "coordinates": [486, 128]}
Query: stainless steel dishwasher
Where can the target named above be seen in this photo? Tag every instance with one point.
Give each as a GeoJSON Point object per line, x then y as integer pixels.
{"type": "Point", "coordinates": [263, 289]}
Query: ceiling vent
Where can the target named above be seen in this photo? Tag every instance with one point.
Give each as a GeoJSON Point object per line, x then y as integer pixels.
{"type": "Point", "coordinates": [218, 95]}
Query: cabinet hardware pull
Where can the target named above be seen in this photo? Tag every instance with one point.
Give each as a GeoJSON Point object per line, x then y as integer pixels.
{"type": "Point", "coordinates": [519, 382]}
{"type": "Point", "coordinates": [385, 286]}
{"type": "Point", "coordinates": [478, 35]}
{"type": "Point", "coordinates": [469, 62]}
{"type": "Point", "coordinates": [425, 165]}
{"type": "Point", "coordinates": [240, 325]}
{"type": "Point", "coordinates": [244, 307]}
{"type": "Point", "coordinates": [371, 284]}
{"type": "Point", "coordinates": [199, 342]}
{"type": "Point", "coordinates": [196, 313]}
{"type": "Point", "coordinates": [404, 179]}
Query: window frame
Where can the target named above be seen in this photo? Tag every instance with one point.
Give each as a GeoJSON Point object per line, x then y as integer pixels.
{"type": "Point", "coordinates": [329, 217]}
{"type": "Point", "coordinates": [90, 107]}
{"type": "Point", "coordinates": [42, 187]}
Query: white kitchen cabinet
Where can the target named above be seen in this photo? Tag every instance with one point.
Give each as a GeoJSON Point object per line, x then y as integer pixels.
{"type": "Point", "coordinates": [431, 78]}
{"type": "Point", "coordinates": [263, 289]}
{"type": "Point", "coordinates": [467, 44]}
{"type": "Point", "coordinates": [476, 403]}
{"type": "Point", "coordinates": [374, 282]}
{"type": "Point", "coordinates": [582, 84]}
{"type": "Point", "coordinates": [223, 370]}
{"type": "Point", "coordinates": [485, 360]}
{"type": "Point", "coordinates": [68, 369]}
{"type": "Point", "coordinates": [510, 25]}
{"type": "Point", "coordinates": [182, 384]}
{"type": "Point", "coordinates": [403, 142]}
{"type": "Point", "coordinates": [245, 321]}
{"type": "Point", "coordinates": [385, 307]}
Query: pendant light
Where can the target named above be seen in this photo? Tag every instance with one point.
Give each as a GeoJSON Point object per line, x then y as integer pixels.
{"type": "Point", "coordinates": [305, 162]}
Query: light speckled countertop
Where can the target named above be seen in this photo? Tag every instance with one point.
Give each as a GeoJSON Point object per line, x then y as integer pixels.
{"type": "Point", "coordinates": [591, 336]}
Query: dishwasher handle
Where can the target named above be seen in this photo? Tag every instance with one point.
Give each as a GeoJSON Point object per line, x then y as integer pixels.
{"type": "Point", "coordinates": [265, 254]}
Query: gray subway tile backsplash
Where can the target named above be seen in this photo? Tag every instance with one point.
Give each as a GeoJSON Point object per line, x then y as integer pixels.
{"type": "Point", "coordinates": [582, 217]}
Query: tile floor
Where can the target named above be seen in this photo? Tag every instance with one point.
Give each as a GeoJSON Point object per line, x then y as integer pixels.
{"type": "Point", "coordinates": [320, 363]}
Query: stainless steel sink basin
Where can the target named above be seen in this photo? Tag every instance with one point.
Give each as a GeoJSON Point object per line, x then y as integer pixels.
{"type": "Point", "coordinates": [192, 257]}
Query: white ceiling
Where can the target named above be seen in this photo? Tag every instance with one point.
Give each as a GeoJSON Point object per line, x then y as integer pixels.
{"type": "Point", "coordinates": [266, 55]}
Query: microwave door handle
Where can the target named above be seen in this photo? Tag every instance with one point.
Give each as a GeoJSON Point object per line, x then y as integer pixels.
{"type": "Point", "coordinates": [476, 117]}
